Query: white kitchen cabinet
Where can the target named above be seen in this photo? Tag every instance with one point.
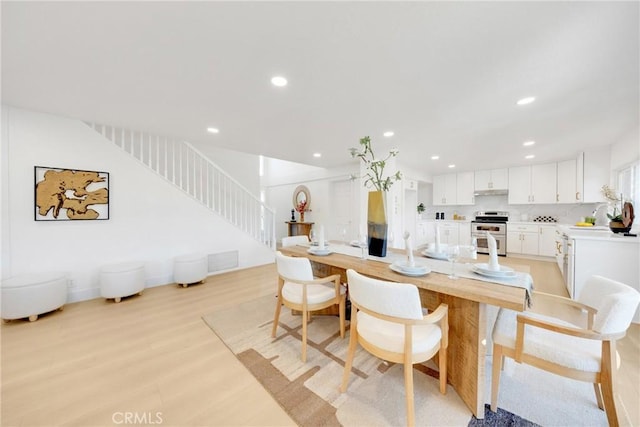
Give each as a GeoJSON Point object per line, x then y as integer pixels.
{"type": "Point", "coordinates": [425, 233]}
{"type": "Point", "coordinates": [592, 172]}
{"type": "Point", "coordinates": [445, 189]}
{"type": "Point", "coordinates": [520, 185]}
{"type": "Point", "coordinates": [532, 184]}
{"type": "Point", "coordinates": [464, 233]}
{"type": "Point", "coordinates": [547, 240]}
{"type": "Point", "coordinates": [491, 179]}
{"type": "Point", "coordinates": [465, 188]}
{"type": "Point", "coordinates": [567, 182]}
{"type": "Point", "coordinates": [449, 232]}
{"type": "Point", "coordinates": [522, 239]}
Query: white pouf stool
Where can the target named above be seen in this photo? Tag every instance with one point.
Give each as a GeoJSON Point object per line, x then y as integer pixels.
{"type": "Point", "coordinates": [189, 269]}
{"type": "Point", "coordinates": [121, 280]}
{"type": "Point", "coordinates": [32, 294]}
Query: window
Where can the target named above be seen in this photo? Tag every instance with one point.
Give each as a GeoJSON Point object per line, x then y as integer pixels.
{"type": "Point", "coordinates": [629, 183]}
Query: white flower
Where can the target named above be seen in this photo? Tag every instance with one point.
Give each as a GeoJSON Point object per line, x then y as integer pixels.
{"type": "Point", "coordinates": [375, 166]}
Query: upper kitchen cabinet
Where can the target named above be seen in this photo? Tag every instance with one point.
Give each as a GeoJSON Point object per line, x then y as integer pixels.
{"type": "Point", "coordinates": [491, 179]}
{"type": "Point", "coordinates": [464, 188]}
{"type": "Point", "coordinates": [532, 184]}
{"type": "Point", "coordinates": [593, 171]}
{"type": "Point", "coordinates": [453, 189]}
{"type": "Point", "coordinates": [445, 190]}
{"type": "Point", "coordinates": [568, 191]}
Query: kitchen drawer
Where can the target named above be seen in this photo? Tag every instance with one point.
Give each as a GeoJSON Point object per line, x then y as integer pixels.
{"type": "Point", "coordinates": [524, 228]}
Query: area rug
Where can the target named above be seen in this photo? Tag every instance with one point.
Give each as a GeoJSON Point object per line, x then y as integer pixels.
{"type": "Point", "coordinates": [375, 395]}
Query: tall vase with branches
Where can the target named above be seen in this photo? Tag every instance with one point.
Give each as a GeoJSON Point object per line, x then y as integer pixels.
{"type": "Point", "coordinates": [375, 178]}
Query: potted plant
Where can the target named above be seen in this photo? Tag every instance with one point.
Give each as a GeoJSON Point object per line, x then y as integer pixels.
{"type": "Point", "coordinates": [374, 177]}
{"type": "Point", "coordinates": [420, 210]}
{"type": "Point", "coordinates": [617, 219]}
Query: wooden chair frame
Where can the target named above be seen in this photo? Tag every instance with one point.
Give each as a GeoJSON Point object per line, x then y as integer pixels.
{"type": "Point", "coordinates": [407, 358]}
{"type": "Point", "coordinates": [306, 308]}
{"type": "Point", "coordinates": [602, 381]}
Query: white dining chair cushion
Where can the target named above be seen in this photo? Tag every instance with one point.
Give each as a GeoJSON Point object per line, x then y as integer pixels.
{"type": "Point", "coordinates": [616, 303]}
{"type": "Point", "coordinates": [295, 268]}
{"type": "Point", "coordinates": [390, 336]}
{"type": "Point", "coordinates": [392, 299]}
{"type": "Point", "coordinates": [316, 293]}
{"type": "Point", "coordinates": [571, 352]}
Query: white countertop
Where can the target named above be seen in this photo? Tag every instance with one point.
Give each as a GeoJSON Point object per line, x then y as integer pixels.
{"type": "Point", "coordinates": [596, 233]}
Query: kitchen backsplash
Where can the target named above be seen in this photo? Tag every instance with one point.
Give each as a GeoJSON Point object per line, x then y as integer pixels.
{"type": "Point", "coordinates": [564, 214]}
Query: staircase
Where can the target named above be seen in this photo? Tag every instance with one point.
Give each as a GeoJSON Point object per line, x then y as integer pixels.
{"type": "Point", "coordinates": [188, 169]}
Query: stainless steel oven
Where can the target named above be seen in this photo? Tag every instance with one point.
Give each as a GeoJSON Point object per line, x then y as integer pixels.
{"type": "Point", "coordinates": [493, 222]}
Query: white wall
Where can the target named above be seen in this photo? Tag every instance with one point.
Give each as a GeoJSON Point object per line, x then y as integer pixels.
{"type": "Point", "coordinates": [281, 179]}
{"type": "Point", "coordinates": [626, 150]}
{"type": "Point", "coordinates": [150, 220]}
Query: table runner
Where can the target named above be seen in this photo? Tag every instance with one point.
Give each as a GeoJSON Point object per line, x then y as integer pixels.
{"type": "Point", "coordinates": [520, 280]}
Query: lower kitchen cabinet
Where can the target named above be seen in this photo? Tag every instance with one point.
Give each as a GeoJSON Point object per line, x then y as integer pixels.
{"type": "Point", "coordinates": [522, 239]}
{"type": "Point", "coordinates": [547, 240]}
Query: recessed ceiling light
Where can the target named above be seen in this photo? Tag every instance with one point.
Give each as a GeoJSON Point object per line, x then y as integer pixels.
{"type": "Point", "coordinates": [452, 166]}
{"type": "Point", "coordinates": [213, 130]}
{"type": "Point", "coordinates": [435, 157]}
{"type": "Point", "coordinates": [317, 155]}
{"type": "Point", "coordinates": [529, 156]}
{"type": "Point", "coordinates": [527, 100]}
{"type": "Point", "coordinates": [279, 81]}
{"type": "Point", "coordinates": [388, 134]}
{"type": "Point", "coordinates": [528, 143]}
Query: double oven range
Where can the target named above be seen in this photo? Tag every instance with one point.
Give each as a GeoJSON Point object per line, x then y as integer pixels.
{"type": "Point", "coordinates": [494, 222]}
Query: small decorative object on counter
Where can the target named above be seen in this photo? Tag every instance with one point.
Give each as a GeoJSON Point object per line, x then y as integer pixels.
{"type": "Point", "coordinates": [619, 222]}
{"type": "Point", "coordinates": [545, 219]}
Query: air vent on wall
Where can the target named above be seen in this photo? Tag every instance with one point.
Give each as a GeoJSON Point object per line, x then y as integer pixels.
{"type": "Point", "coordinates": [223, 261]}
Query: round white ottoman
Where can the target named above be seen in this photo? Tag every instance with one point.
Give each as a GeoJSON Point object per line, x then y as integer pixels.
{"type": "Point", "coordinates": [121, 280]}
{"type": "Point", "coordinates": [189, 269]}
{"type": "Point", "coordinates": [32, 294]}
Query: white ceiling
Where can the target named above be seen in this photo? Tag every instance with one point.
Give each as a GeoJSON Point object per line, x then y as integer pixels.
{"type": "Point", "coordinates": [445, 76]}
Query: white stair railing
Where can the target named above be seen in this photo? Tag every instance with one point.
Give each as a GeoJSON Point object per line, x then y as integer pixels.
{"type": "Point", "coordinates": [184, 166]}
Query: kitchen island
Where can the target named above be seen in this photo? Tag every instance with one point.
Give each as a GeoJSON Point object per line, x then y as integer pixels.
{"type": "Point", "coordinates": [598, 251]}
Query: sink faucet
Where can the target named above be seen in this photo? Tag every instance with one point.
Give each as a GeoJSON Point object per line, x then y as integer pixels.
{"type": "Point", "coordinates": [600, 214]}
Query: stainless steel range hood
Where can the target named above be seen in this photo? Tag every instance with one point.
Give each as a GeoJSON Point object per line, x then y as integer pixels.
{"type": "Point", "coordinates": [491, 193]}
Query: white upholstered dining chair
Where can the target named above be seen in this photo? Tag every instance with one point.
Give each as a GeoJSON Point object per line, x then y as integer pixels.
{"type": "Point", "coordinates": [387, 320]}
{"type": "Point", "coordinates": [295, 240]}
{"type": "Point", "coordinates": [298, 290]}
{"type": "Point", "coordinates": [585, 353]}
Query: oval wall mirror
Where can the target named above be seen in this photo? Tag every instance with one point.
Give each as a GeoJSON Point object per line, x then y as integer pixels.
{"type": "Point", "coordinates": [301, 194]}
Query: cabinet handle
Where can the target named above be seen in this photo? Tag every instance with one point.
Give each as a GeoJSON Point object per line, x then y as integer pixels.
{"type": "Point", "coordinates": [577, 195]}
{"type": "Point", "coordinates": [557, 197]}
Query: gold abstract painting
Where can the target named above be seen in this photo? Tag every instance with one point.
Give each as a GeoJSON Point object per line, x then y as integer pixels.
{"type": "Point", "coordinates": [68, 194]}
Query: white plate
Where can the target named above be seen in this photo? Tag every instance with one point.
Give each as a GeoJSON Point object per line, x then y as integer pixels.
{"type": "Point", "coordinates": [413, 273]}
{"type": "Point", "coordinates": [505, 272]}
{"type": "Point", "coordinates": [319, 252]}
{"type": "Point", "coordinates": [404, 265]}
{"type": "Point", "coordinates": [435, 255]}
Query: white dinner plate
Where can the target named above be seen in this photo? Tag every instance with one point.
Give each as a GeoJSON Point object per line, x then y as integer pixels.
{"type": "Point", "coordinates": [319, 252]}
{"type": "Point", "coordinates": [404, 265]}
{"type": "Point", "coordinates": [483, 270]}
{"type": "Point", "coordinates": [436, 255]}
{"type": "Point", "coordinates": [414, 273]}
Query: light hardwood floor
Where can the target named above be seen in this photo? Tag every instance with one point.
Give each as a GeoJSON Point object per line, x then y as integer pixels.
{"type": "Point", "coordinates": [152, 356]}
